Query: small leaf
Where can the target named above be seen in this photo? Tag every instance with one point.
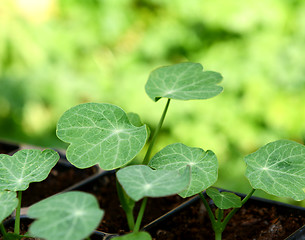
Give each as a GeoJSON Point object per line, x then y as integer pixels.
{"type": "Point", "coordinates": [184, 81]}
{"type": "Point", "coordinates": [100, 133]}
{"type": "Point", "coordinates": [66, 216]}
{"type": "Point", "coordinates": [8, 203]}
{"type": "Point", "coordinates": [203, 165]}
{"type": "Point", "coordinates": [224, 200]}
{"type": "Point", "coordinates": [278, 168]}
{"type": "Point", "coordinates": [141, 181]}
{"type": "Point", "coordinates": [134, 236]}
{"type": "Point", "coordinates": [24, 167]}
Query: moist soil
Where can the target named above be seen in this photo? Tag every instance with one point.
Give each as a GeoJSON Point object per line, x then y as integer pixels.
{"type": "Point", "coordinates": [60, 178]}
{"type": "Point", "coordinates": [256, 220]}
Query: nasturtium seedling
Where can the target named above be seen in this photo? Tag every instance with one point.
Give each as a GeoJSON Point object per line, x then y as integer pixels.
{"type": "Point", "coordinates": [8, 203]}
{"type": "Point", "coordinates": [177, 156]}
{"type": "Point", "coordinates": [183, 81]}
{"type": "Point", "coordinates": [224, 200]}
{"type": "Point", "coordinates": [100, 133]}
{"type": "Point", "coordinates": [279, 169]}
{"type": "Point", "coordinates": [141, 181]}
{"type": "Point", "coordinates": [134, 236]}
{"type": "Point", "coordinates": [72, 215]}
{"type": "Point", "coordinates": [24, 167]}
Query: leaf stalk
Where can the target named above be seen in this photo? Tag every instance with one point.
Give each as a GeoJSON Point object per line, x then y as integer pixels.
{"type": "Point", "coordinates": [17, 218]}
{"type": "Point", "coordinates": [140, 215]}
{"type": "Point", "coordinates": [148, 153]}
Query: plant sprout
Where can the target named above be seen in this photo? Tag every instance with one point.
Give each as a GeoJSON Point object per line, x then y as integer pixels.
{"type": "Point", "coordinates": [104, 134]}
{"type": "Point", "coordinates": [100, 133]}
{"type": "Point", "coordinates": [278, 168]}
{"type": "Point", "coordinates": [16, 173]}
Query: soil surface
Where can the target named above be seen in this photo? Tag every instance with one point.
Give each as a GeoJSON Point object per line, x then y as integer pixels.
{"type": "Point", "coordinates": [114, 220]}
{"type": "Point", "coordinates": [255, 221]}
{"type": "Point", "coordinates": [60, 178]}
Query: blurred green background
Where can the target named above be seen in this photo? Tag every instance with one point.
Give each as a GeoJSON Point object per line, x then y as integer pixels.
{"type": "Point", "coordinates": [55, 54]}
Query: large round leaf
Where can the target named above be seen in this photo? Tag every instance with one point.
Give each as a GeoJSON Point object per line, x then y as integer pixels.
{"type": "Point", "coordinates": [184, 81]}
{"type": "Point", "coordinates": [100, 133]}
{"type": "Point", "coordinates": [279, 169]}
{"type": "Point", "coordinates": [24, 167]}
{"type": "Point", "coordinates": [177, 156]}
{"type": "Point", "coordinates": [8, 203]}
{"type": "Point", "coordinates": [141, 181]}
{"type": "Point", "coordinates": [67, 216]}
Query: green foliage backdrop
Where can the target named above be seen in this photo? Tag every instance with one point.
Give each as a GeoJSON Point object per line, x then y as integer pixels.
{"type": "Point", "coordinates": [58, 53]}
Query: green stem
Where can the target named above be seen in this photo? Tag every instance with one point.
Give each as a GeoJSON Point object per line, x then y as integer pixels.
{"type": "Point", "coordinates": [127, 204]}
{"type": "Point", "coordinates": [17, 219]}
{"type": "Point", "coordinates": [147, 156]}
{"type": "Point", "coordinates": [218, 235]}
{"type": "Point", "coordinates": [209, 210]}
{"type": "Point", "coordinates": [2, 229]}
{"type": "Point", "coordinates": [130, 219]}
{"type": "Point", "coordinates": [140, 215]}
{"type": "Point", "coordinates": [234, 210]}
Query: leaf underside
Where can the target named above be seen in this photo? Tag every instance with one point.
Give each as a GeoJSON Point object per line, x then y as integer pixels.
{"type": "Point", "coordinates": [177, 156]}
{"type": "Point", "coordinates": [71, 215]}
{"type": "Point", "coordinates": [224, 200]}
{"type": "Point", "coordinates": [141, 181]}
{"type": "Point", "coordinates": [8, 203]}
{"type": "Point", "coordinates": [183, 81]}
{"type": "Point", "coordinates": [24, 167]}
{"type": "Point", "coordinates": [101, 134]}
{"type": "Point", "coordinates": [278, 168]}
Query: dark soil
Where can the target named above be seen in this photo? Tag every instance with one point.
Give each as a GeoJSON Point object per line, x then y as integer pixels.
{"type": "Point", "coordinates": [255, 221]}
{"type": "Point", "coordinates": [114, 220]}
{"type": "Point", "coordinates": [60, 178]}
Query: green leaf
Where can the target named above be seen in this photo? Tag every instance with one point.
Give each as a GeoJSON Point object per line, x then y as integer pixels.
{"type": "Point", "coordinates": [203, 165]}
{"type": "Point", "coordinates": [24, 167]}
{"type": "Point", "coordinates": [224, 200]}
{"type": "Point", "coordinates": [135, 236]}
{"type": "Point", "coordinates": [8, 203]}
{"type": "Point", "coordinates": [100, 133]}
{"type": "Point", "coordinates": [141, 181]}
{"type": "Point", "coordinates": [66, 216]}
{"type": "Point", "coordinates": [279, 169]}
{"type": "Point", "coordinates": [184, 81]}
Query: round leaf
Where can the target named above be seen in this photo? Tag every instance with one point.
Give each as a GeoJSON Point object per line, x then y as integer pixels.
{"type": "Point", "coordinates": [71, 215]}
{"type": "Point", "coordinates": [24, 167]}
{"type": "Point", "coordinates": [100, 133]}
{"type": "Point", "coordinates": [141, 181]}
{"type": "Point", "coordinates": [203, 165]}
{"type": "Point", "coordinates": [134, 236]}
{"type": "Point", "coordinates": [224, 200]}
{"type": "Point", "coordinates": [8, 203]}
{"type": "Point", "coordinates": [279, 169]}
{"type": "Point", "coordinates": [184, 81]}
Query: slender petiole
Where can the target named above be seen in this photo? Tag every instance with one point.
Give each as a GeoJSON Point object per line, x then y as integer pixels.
{"type": "Point", "coordinates": [140, 215]}
{"type": "Point", "coordinates": [234, 210]}
{"type": "Point", "coordinates": [17, 218]}
{"type": "Point", "coordinates": [2, 229]}
{"type": "Point", "coordinates": [207, 206]}
{"type": "Point", "coordinates": [147, 156]}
